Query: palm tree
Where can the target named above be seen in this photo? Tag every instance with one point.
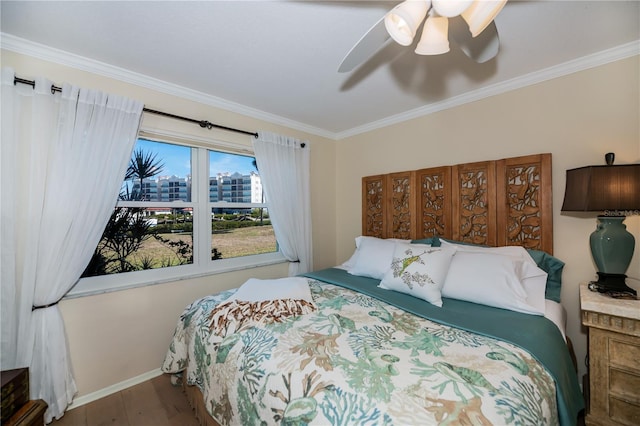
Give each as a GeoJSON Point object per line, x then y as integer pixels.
{"type": "Point", "coordinates": [143, 166]}
{"type": "Point", "coordinates": [127, 228]}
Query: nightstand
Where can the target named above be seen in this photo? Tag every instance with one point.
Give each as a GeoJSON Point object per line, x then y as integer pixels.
{"type": "Point", "coordinates": [614, 358]}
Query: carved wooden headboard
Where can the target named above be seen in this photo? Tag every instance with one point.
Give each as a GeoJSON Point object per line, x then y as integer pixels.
{"type": "Point", "coordinates": [496, 203]}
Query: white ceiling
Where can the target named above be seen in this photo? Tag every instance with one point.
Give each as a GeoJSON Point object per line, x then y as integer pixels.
{"type": "Point", "coordinates": [281, 57]}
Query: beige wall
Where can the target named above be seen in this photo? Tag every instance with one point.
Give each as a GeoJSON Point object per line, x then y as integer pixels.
{"type": "Point", "coordinates": [577, 118]}
{"type": "Point", "coordinates": [120, 335]}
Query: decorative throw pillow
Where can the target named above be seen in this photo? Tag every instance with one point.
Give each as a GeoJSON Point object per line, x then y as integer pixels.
{"type": "Point", "coordinates": [418, 270]}
{"type": "Point", "coordinates": [488, 279]}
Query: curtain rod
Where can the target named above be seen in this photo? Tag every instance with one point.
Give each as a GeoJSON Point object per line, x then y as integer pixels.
{"type": "Point", "coordinates": [202, 123]}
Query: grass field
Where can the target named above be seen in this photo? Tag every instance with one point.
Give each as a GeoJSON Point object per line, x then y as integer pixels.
{"type": "Point", "coordinates": [245, 241]}
{"type": "Point", "coordinates": [230, 243]}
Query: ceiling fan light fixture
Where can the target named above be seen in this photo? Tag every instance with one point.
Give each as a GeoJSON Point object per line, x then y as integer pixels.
{"type": "Point", "coordinates": [480, 14]}
{"type": "Point", "coordinates": [451, 8]}
{"type": "Point", "coordinates": [434, 40]}
{"type": "Point", "coordinates": [403, 21]}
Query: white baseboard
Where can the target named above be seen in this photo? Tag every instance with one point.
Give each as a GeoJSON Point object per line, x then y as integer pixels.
{"type": "Point", "coordinates": [93, 396]}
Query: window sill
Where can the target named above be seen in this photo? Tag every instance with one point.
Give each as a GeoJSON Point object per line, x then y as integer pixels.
{"type": "Point", "coordinates": [117, 282]}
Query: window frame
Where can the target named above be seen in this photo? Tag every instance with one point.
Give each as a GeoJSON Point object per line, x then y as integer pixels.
{"type": "Point", "coordinates": [202, 264]}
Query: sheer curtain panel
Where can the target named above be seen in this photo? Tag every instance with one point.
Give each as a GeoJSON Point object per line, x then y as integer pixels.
{"type": "Point", "coordinates": [283, 163]}
{"type": "Point", "coordinates": [63, 158]}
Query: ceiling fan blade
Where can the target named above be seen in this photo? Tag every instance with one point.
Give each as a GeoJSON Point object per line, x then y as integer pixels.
{"type": "Point", "coordinates": [372, 41]}
{"type": "Point", "coordinates": [482, 48]}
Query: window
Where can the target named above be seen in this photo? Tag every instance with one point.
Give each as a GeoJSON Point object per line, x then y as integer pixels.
{"type": "Point", "coordinates": [183, 211]}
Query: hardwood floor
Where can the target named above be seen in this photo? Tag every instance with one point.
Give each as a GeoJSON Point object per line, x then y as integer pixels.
{"type": "Point", "coordinates": [152, 403]}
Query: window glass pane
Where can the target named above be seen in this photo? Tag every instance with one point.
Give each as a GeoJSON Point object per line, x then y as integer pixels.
{"type": "Point", "coordinates": [158, 172]}
{"type": "Point", "coordinates": [233, 179]}
{"type": "Point", "coordinates": [244, 232]}
{"type": "Point", "coordinates": [136, 239]}
{"type": "Point", "coordinates": [237, 231]}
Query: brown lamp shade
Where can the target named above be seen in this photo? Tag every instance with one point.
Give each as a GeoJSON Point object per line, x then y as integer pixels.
{"type": "Point", "coordinates": [599, 188]}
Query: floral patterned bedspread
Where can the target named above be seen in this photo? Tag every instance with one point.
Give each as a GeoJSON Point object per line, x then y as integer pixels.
{"type": "Point", "coordinates": [357, 360]}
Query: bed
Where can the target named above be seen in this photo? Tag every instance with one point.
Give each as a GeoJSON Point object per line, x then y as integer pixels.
{"type": "Point", "coordinates": [388, 337]}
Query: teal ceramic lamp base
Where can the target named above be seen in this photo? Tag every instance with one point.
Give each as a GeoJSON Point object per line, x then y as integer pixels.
{"type": "Point", "coordinates": [612, 249]}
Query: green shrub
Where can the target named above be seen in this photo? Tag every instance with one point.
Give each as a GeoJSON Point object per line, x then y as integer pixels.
{"type": "Point", "coordinates": [225, 225]}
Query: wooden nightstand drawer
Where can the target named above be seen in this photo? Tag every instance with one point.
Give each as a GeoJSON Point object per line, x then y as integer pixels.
{"type": "Point", "coordinates": [624, 412]}
{"type": "Point", "coordinates": [625, 384]}
{"type": "Point", "coordinates": [625, 354]}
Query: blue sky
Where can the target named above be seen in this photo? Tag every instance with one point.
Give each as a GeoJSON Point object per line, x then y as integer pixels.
{"type": "Point", "coordinates": [177, 159]}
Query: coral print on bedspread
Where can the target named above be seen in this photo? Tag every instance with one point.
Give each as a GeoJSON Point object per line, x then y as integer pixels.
{"type": "Point", "coordinates": [355, 360]}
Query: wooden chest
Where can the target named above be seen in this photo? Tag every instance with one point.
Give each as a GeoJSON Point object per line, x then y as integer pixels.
{"type": "Point", "coordinates": [30, 414]}
{"type": "Point", "coordinates": [15, 391]}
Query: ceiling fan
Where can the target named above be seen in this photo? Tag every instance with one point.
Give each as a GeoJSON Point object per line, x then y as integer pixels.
{"type": "Point", "coordinates": [469, 23]}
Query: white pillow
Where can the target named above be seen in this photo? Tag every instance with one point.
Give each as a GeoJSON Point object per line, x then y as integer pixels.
{"type": "Point", "coordinates": [515, 252]}
{"type": "Point", "coordinates": [488, 279]}
{"type": "Point", "coordinates": [532, 278]}
{"type": "Point", "coordinates": [372, 257]}
{"type": "Point", "coordinates": [534, 282]}
{"type": "Point", "coordinates": [256, 290]}
{"type": "Point", "coordinates": [418, 270]}
{"type": "Point", "coordinates": [352, 260]}
{"type": "Point", "coordinates": [350, 263]}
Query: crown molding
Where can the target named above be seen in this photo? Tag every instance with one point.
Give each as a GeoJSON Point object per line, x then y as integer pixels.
{"type": "Point", "coordinates": [591, 61]}
{"type": "Point", "coordinates": [40, 51]}
{"type": "Point", "coordinates": [61, 57]}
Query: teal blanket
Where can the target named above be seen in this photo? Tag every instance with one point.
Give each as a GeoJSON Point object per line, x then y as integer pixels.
{"type": "Point", "coordinates": [536, 334]}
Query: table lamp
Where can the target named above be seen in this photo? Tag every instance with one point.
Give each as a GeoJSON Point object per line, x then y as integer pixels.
{"type": "Point", "coordinates": [613, 190]}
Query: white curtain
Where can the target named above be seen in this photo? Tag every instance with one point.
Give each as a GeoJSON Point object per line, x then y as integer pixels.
{"type": "Point", "coordinates": [283, 163]}
{"type": "Point", "coordinates": [63, 158]}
